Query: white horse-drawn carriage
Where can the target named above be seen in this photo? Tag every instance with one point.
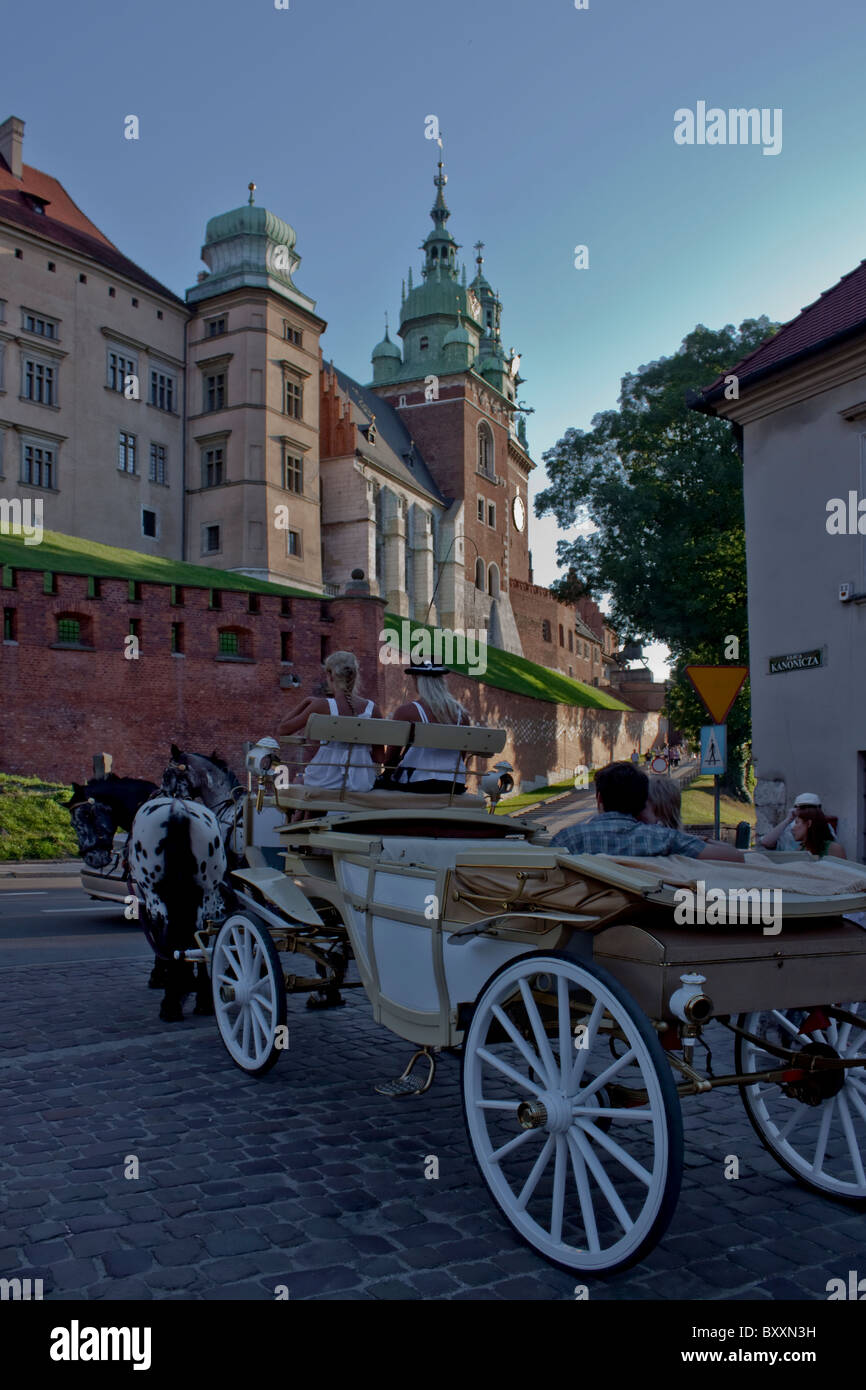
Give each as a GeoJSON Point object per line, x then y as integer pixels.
{"type": "Point", "coordinates": [575, 1000]}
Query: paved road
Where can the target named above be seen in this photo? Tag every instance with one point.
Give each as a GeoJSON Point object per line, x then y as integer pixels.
{"type": "Point", "coordinates": [307, 1178]}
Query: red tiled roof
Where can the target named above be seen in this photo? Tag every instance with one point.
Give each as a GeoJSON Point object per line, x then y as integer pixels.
{"type": "Point", "coordinates": [836, 314]}
{"type": "Point", "coordinates": [65, 224]}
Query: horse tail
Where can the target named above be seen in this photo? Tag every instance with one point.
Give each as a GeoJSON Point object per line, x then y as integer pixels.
{"type": "Point", "coordinates": [179, 888]}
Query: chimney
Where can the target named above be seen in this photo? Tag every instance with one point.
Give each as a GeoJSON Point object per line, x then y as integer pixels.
{"type": "Point", "coordinates": [11, 139]}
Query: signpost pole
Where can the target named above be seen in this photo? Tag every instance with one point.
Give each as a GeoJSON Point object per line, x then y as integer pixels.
{"type": "Point", "coordinates": [716, 809]}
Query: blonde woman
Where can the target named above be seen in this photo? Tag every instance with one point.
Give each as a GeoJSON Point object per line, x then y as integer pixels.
{"type": "Point", "coordinates": [428, 769]}
{"type": "Point", "coordinates": [663, 804]}
{"type": "Point", "coordinates": [335, 765]}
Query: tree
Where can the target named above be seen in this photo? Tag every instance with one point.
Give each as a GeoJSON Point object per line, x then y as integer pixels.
{"type": "Point", "coordinates": [662, 486]}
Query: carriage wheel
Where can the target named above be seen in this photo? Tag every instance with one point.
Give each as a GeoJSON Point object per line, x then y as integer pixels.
{"type": "Point", "coordinates": [817, 1134]}
{"type": "Point", "coordinates": [583, 1151]}
{"type": "Point", "coordinates": [248, 992]}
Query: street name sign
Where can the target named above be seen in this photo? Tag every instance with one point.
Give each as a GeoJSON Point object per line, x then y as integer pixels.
{"type": "Point", "coordinates": [796, 661]}
{"type": "Point", "coordinates": [718, 687]}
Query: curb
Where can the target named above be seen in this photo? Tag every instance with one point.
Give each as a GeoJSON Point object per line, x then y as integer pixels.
{"type": "Point", "coordinates": [39, 868]}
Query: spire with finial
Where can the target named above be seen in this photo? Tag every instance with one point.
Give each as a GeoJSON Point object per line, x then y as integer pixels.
{"type": "Point", "coordinates": [479, 259]}
{"type": "Point", "coordinates": [252, 188]}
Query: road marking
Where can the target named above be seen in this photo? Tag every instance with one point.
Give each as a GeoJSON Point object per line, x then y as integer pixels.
{"type": "Point", "coordinates": [27, 893]}
{"type": "Point", "coordinates": [100, 907]}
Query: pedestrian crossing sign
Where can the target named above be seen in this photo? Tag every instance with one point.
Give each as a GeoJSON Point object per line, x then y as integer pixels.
{"type": "Point", "coordinates": [714, 748]}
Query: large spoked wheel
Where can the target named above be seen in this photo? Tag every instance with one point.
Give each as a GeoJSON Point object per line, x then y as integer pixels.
{"type": "Point", "coordinates": [572, 1113]}
{"type": "Point", "coordinates": [815, 1126]}
{"type": "Point", "coordinates": [248, 992]}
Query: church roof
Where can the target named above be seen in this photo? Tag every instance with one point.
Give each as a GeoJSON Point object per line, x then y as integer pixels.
{"type": "Point", "coordinates": [392, 450]}
{"type": "Point", "coordinates": [63, 223]}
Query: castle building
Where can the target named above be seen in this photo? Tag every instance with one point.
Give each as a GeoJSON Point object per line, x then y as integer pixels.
{"type": "Point", "coordinates": [211, 429]}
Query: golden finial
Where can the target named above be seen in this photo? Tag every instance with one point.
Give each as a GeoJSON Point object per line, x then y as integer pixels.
{"type": "Point", "coordinates": [252, 188]}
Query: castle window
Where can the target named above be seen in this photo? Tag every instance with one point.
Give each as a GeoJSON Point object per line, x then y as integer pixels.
{"type": "Point", "coordinates": [176, 639]}
{"type": "Point", "coordinates": [480, 508]}
{"type": "Point", "coordinates": [493, 581]}
{"type": "Point", "coordinates": [68, 630]}
{"type": "Point", "coordinates": [9, 627]}
{"type": "Point", "coordinates": [485, 451]}
{"type": "Point", "coordinates": [162, 391]}
{"type": "Point", "coordinates": [36, 323]}
{"type": "Point", "coordinates": [286, 646]}
{"type": "Point", "coordinates": [294, 399]}
{"type": "Point", "coordinates": [212, 466]}
{"type": "Point", "coordinates": [158, 464]}
{"type": "Point", "coordinates": [214, 392]}
{"type": "Point", "coordinates": [149, 525]}
{"type": "Point", "coordinates": [73, 630]}
{"type": "Point", "coordinates": [479, 574]}
{"type": "Point", "coordinates": [294, 544]}
{"type": "Point", "coordinates": [176, 599]}
{"type": "Point", "coordinates": [214, 328]}
{"type": "Point", "coordinates": [545, 631]}
{"type": "Point", "coordinates": [424, 344]}
{"type": "Point", "coordinates": [40, 381]}
{"type": "Point", "coordinates": [120, 367]}
{"type": "Point", "coordinates": [126, 452]}
{"type": "Point", "coordinates": [292, 335]}
{"type": "Point", "coordinates": [38, 466]}
{"type": "Point", "coordinates": [253, 603]}
{"type": "Point", "coordinates": [210, 540]}
{"type": "Point", "coordinates": [234, 642]}
{"type": "Point", "coordinates": [94, 587]}
{"type": "Point", "coordinates": [215, 599]}
{"type": "Point", "coordinates": [134, 594]}
{"type": "Point", "coordinates": [561, 636]}
{"type": "Point", "coordinates": [293, 472]}
{"type": "Point", "coordinates": [491, 515]}
{"type": "Point", "coordinates": [285, 607]}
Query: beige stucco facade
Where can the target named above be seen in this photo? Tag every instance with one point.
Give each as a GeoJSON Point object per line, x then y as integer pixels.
{"type": "Point", "coordinates": [804, 444]}
{"type": "Point", "coordinates": [66, 449]}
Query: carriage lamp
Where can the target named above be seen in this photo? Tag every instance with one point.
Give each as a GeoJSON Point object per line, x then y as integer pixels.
{"type": "Point", "coordinates": [688, 1003]}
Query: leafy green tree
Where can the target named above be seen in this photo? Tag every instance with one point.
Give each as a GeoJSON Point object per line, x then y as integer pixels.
{"type": "Point", "coordinates": [662, 486]}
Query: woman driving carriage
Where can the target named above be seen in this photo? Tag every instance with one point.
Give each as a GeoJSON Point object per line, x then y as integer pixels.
{"type": "Point", "coordinates": [335, 764]}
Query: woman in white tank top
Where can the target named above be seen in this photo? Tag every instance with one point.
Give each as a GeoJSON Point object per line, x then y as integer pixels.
{"type": "Point", "coordinates": [429, 769]}
{"type": "Point", "coordinates": [336, 765]}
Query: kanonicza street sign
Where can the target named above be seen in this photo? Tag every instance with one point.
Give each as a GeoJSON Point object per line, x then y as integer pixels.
{"type": "Point", "coordinates": [796, 661]}
{"type": "Point", "coordinates": [718, 687]}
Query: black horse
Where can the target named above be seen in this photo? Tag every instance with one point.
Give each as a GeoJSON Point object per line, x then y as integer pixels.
{"type": "Point", "coordinates": [101, 807]}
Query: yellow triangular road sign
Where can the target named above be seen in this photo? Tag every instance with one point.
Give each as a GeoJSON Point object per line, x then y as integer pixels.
{"type": "Point", "coordinates": [718, 687]}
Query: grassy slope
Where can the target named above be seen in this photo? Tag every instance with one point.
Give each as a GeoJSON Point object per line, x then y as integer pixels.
{"type": "Point", "coordinates": [33, 823]}
{"type": "Point", "coordinates": [698, 806]}
{"type": "Point", "coordinates": [69, 555]}
{"type": "Point", "coordinates": [522, 677]}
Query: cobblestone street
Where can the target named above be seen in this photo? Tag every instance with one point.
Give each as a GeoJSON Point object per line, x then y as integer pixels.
{"type": "Point", "coordinates": [307, 1178]}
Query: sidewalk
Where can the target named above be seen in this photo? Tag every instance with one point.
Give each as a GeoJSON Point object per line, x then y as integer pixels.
{"type": "Point", "coordinates": [40, 868]}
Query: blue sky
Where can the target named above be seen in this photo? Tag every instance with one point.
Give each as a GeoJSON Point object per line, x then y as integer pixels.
{"type": "Point", "coordinates": [558, 127]}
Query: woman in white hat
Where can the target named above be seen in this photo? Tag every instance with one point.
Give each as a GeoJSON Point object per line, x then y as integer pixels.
{"type": "Point", "coordinates": [782, 836]}
{"type": "Point", "coordinates": [428, 769]}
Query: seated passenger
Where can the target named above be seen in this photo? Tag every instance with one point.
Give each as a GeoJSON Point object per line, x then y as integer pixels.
{"type": "Point", "coordinates": [621, 795]}
{"type": "Point", "coordinates": [812, 832]}
{"type": "Point", "coordinates": [335, 764]}
{"type": "Point", "coordinates": [428, 769]}
{"type": "Point", "coordinates": [663, 804]}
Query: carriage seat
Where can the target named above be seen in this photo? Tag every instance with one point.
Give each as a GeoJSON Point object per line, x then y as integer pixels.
{"type": "Point", "coordinates": [463, 739]}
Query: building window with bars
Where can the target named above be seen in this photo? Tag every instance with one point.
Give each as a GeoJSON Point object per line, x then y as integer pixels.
{"type": "Point", "coordinates": [38, 466]}
{"type": "Point", "coordinates": [126, 451]}
{"type": "Point", "coordinates": [69, 631]}
{"type": "Point", "coordinates": [158, 464]}
{"type": "Point", "coordinates": [119, 368]}
{"type": "Point", "coordinates": [293, 472]}
{"type": "Point", "coordinates": [214, 392]}
{"type": "Point", "coordinates": [162, 391]}
{"type": "Point", "coordinates": [9, 625]}
{"type": "Point", "coordinates": [229, 644]}
{"type": "Point", "coordinates": [294, 399]}
{"type": "Point", "coordinates": [40, 382]}
{"type": "Point", "coordinates": [212, 474]}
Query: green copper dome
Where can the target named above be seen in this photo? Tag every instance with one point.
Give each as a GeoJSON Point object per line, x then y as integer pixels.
{"type": "Point", "coordinates": [249, 221]}
{"type": "Point", "coordinates": [387, 349]}
{"type": "Point", "coordinates": [459, 334]}
{"type": "Point", "coordinates": [249, 248]}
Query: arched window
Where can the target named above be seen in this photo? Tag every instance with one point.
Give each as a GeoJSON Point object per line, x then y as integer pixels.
{"type": "Point", "coordinates": [493, 581]}
{"type": "Point", "coordinates": [545, 631]}
{"type": "Point", "coordinates": [479, 574]}
{"type": "Point", "coordinates": [561, 636]}
{"type": "Point", "coordinates": [485, 450]}
{"type": "Point", "coordinates": [571, 641]}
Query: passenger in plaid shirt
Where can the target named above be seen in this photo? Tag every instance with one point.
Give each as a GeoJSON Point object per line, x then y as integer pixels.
{"type": "Point", "coordinates": [621, 795]}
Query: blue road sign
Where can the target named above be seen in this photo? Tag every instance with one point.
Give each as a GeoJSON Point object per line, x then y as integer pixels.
{"type": "Point", "coordinates": [714, 748]}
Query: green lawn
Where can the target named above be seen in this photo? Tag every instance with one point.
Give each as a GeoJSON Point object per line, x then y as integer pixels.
{"type": "Point", "coordinates": [698, 806]}
{"type": "Point", "coordinates": [512, 804]}
{"type": "Point", "coordinates": [508, 672]}
{"type": "Point", "coordinates": [69, 555]}
{"type": "Point", "coordinates": [33, 823]}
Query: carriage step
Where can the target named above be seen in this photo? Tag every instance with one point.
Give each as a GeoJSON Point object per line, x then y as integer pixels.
{"type": "Point", "coordinates": [406, 1084]}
